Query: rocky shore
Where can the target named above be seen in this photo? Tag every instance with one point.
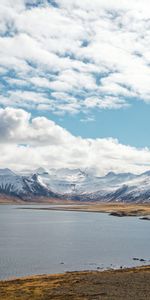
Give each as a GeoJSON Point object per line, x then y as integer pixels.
{"type": "Point", "coordinates": [122, 284]}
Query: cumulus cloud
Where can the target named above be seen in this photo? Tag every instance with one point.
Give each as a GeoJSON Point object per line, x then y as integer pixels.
{"type": "Point", "coordinates": [97, 50]}
{"type": "Point", "coordinates": [66, 56]}
{"type": "Point", "coordinates": [16, 126]}
{"type": "Point", "coordinates": [28, 142]}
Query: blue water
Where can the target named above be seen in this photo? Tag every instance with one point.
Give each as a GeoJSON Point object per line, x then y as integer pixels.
{"type": "Point", "coordinates": [40, 241]}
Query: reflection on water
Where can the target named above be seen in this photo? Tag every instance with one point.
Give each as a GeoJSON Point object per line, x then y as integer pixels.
{"type": "Point", "coordinates": [40, 241]}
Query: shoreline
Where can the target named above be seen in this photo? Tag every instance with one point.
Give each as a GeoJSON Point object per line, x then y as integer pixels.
{"type": "Point", "coordinates": [127, 283]}
{"type": "Point", "coordinates": [119, 209]}
{"type": "Point", "coordinates": [113, 209]}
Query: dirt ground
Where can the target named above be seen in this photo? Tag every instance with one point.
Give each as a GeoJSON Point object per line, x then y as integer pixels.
{"type": "Point", "coordinates": [114, 284]}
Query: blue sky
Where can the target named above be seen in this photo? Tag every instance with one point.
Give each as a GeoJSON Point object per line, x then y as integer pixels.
{"type": "Point", "coordinates": [130, 125]}
{"type": "Point", "coordinates": [74, 79]}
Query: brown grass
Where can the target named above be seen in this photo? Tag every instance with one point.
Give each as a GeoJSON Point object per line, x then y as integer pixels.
{"type": "Point", "coordinates": [120, 284]}
{"type": "Point", "coordinates": [120, 209]}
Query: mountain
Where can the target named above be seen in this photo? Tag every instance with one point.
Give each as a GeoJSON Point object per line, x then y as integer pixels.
{"type": "Point", "coordinates": [23, 187]}
{"type": "Point", "coordinates": [75, 184]}
{"type": "Point", "coordinates": [6, 172]}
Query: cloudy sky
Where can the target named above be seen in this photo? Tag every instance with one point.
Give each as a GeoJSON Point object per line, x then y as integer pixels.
{"type": "Point", "coordinates": [75, 84]}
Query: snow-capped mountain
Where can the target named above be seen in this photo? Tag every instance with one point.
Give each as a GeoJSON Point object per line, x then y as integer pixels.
{"type": "Point", "coordinates": [21, 186]}
{"type": "Point", "coordinates": [75, 184]}
{"type": "Point", "coordinates": [84, 185]}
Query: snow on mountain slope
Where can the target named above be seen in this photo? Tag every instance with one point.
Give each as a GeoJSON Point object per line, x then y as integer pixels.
{"type": "Point", "coordinates": [64, 180]}
{"type": "Point", "coordinates": [6, 172]}
{"type": "Point", "coordinates": [76, 184]}
{"type": "Point", "coordinates": [78, 181]}
{"type": "Point", "coordinates": [24, 187]}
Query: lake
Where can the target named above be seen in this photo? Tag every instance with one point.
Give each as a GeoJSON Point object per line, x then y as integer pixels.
{"type": "Point", "coordinates": [44, 242]}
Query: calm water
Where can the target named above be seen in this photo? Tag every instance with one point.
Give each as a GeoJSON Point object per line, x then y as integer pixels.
{"type": "Point", "coordinates": [37, 242]}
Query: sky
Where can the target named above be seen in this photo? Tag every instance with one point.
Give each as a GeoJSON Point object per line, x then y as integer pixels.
{"type": "Point", "coordinates": [75, 84]}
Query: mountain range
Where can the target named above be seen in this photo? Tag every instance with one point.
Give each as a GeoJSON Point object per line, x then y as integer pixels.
{"type": "Point", "coordinates": [75, 184]}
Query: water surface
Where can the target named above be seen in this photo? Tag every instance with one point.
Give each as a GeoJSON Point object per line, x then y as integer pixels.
{"type": "Point", "coordinates": [40, 241]}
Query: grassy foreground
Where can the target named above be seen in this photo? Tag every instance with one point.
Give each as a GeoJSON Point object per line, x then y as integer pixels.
{"type": "Point", "coordinates": [119, 284]}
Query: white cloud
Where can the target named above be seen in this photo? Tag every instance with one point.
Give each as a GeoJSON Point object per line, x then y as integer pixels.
{"type": "Point", "coordinates": [90, 49]}
{"type": "Point", "coordinates": [88, 119]}
{"type": "Point", "coordinates": [16, 126]}
{"type": "Point", "coordinates": [75, 57]}
{"type": "Point", "coordinates": [25, 99]}
{"type": "Point", "coordinates": [105, 102]}
{"type": "Point", "coordinates": [28, 142]}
